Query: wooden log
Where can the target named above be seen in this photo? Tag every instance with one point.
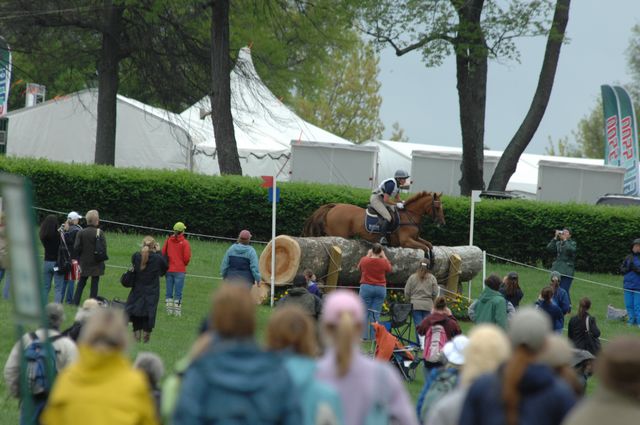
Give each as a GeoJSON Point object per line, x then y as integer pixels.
{"type": "Point", "coordinates": [293, 255]}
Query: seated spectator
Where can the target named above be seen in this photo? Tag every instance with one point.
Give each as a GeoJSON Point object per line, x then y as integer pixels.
{"type": "Point", "coordinates": [616, 398]}
{"type": "Point", "coordinates": [488, 347]}
{"type": "Point", "coordinates": [560, 295]}
{"type": "Point", "coordinates": [312, 284]}
{"type": "Point", "coordinates": [510, 289]}
{"type": "Point", "coordinates": [101, 387]}
{"type": "Point", "coordinates": [546, 304]}
{"type": "Point", "coordinates": [153, 367]}
{"type": "Point", "coordinates": [367, 388]}
{"type": "Point", "coordinates": [65, 352]}
{"type": "Point", "coordinates": [558, 355]}
{"type": "Point", "coordinates": [233, 380]}
{"type": "Point", "coordinates": [300, 296]}
{"type": "Point", "coordinates": [491, 306]}
{"type": "Point", "coordinates": [442, 381]}
{"type": "Point", "coordinates": [88, 307]}
{"type": "Point", "coordinates": [292, 333]}
{"type": "Point", "coordinates": [583, 331]}
{"type": "Point", "coordinates": [521, 391]}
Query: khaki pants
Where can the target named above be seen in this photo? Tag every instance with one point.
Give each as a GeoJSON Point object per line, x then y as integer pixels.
{"type": "Point", "coordinates": [378, 205]}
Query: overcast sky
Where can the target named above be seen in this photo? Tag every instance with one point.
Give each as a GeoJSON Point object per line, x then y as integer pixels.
{"type": "Point", "coordinates": [425, 101]}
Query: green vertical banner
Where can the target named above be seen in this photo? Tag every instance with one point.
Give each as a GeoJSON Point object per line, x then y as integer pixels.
{"type": "Point", "coordinates": [628, 141]}
{"type": "Point", "coordinates": [611, 126]}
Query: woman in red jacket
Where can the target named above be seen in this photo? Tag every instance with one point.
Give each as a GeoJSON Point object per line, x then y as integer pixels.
{"type": "Point", "coordinates": [177, 248]}
{"type": "Point", "coordinates": [373, 285]}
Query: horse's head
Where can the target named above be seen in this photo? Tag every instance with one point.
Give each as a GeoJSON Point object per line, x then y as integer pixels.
{"type": "Point", "coordinates": [427, 203]}
{"type": "Point", "coordinates": [437, 212]}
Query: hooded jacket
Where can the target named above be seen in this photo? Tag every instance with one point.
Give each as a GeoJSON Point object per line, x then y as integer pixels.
{"type": "Point", "coordinates": [178, 250]}
{"type": "Point", "coordinates": [101, 388]}
{"type": "Point", "coordinates": [449, 323]}
{"type": "Point", "coordinates": [234, 382]}
{"type": "Point", "coordinates": [631, 269]}
{"type": "Point", "coordinates": [240, 262]}
{"type": "Point", "coordinates": [316, 398]}
{"type": "Point", "coordinates": [491, 308]}
{"type": "Point", "coordinates": [545, 399]}
{"type": "Point", "coordinates": [304, 299]}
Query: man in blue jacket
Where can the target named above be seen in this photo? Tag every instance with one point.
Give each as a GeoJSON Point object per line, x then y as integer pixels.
{"type": "Point", "coordinates": [631, 269]}
{"type": "Point", "coordinates": [240, 262]}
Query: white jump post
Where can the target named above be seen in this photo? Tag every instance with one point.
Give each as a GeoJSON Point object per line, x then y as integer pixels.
{"type": "Point", "coordinates": [475, 197]}
{"type": "Point", "coordinates": [484, 267]}
{"type": "Point", "coordinates": [273, 238]}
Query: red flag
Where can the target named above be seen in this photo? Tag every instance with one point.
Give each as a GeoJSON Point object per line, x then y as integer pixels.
{"type": "Point", "coordinates": [267, 181]}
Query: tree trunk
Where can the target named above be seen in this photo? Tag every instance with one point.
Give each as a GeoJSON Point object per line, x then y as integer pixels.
{"type": "Point", "coordinates": [227, 150]}
{"type": "Point", "coordinates": [509, 160]}
{"type": "Point", "coordinates": [108, 80]}
{"type": "Point", "coordinates": [471, 73]}
{"type": "Point", "coordinates": [293, 255]}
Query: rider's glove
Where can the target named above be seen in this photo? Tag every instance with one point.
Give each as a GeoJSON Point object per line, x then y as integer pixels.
{"type": "Point", "coordinates": [400, 205]}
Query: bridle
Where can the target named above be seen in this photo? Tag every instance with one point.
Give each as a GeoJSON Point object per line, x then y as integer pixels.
{"type": "Point", "coordinates": [434, 203]}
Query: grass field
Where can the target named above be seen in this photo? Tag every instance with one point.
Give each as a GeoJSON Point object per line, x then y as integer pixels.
{"type": "Point", "coordinates": [173, 336]}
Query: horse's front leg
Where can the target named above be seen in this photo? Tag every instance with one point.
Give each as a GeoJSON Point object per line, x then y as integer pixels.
{"type": "Point", "coordinates": [417, 244]}
{"type": "Point", "coordinates": [426, 242]}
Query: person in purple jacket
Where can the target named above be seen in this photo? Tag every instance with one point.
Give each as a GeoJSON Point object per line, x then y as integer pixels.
{"type": "Point", "coordinates": [362, 383]}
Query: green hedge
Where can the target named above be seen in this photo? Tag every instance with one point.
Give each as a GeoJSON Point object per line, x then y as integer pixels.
{"type": "Point", "coordinates": [222, 206]}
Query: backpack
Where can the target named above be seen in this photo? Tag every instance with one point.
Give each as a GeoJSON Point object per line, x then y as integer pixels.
{"type": "Point", "coordinates": [444, 382]}
{"type": "Point", "coordinates": [435, 339]}
{"type": "Point", "coordinates": [37, 355]}
{"type": "Point", "coordinates": [100, 252]}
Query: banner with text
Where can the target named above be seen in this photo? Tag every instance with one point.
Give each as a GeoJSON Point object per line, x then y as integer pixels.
{"type": "Point", "coordinates": [628, 141]}
{"type": "Point", "coordinates": [5, 75]}
{"type": "Point", "coordinates": [611, 126]}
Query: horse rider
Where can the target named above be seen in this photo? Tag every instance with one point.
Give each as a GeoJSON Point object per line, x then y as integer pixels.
{"type": "Point", "coordinates": [388, 194]}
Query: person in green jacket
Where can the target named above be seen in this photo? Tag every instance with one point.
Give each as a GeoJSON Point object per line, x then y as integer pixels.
{"type": "Point", "coordinates": [491, 306]}
{"type": "Point", "coordinates": [565, 250]}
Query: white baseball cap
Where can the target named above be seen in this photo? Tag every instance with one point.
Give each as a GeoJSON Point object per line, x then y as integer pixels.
{"type": "Point", "coordinates": [74, 216]}
{"type": "Point", "coordinates": [454, 350]}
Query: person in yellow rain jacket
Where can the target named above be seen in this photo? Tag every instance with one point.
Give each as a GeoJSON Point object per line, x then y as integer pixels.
{"type": "Point", "coordinates": [101, 388]}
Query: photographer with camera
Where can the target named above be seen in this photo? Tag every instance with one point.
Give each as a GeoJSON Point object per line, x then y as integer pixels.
{"type": "Point", "coordinates": [565, 250]}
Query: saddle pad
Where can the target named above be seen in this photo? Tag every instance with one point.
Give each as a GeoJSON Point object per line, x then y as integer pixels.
{"type": "Point", "coordinates": [372, 221]}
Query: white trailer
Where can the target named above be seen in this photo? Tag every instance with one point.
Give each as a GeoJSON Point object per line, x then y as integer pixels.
{"type": "Point", "coordinates": [440, 171]}
{"type": "Point", "coordinates": [352, 165]}
{"type": "Point", "coordinates": [582, 183]}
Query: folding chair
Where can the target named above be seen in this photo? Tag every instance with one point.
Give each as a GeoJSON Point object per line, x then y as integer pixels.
{"type": "Point", "coordinates": [400, 323]}
{"type": "Point", "coordinates": [388, 348]}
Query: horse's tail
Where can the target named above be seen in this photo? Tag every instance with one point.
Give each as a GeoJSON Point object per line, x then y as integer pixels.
{"type": "Point", "coordinates": [314, 226]}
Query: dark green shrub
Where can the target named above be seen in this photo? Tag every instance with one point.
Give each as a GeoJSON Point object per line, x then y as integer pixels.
{"type": "Point", "coordinates": [222, 206]}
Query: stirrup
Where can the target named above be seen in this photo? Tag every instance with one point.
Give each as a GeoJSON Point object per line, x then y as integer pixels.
{"type": "Point", "coordinates": [383, 241]}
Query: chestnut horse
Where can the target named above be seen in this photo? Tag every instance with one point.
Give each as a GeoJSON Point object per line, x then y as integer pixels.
{"type": "Point", "coordinates": [347, 221]}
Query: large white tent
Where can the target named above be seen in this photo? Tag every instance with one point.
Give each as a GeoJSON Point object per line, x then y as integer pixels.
{"type": "Point", "coordinates": [398, 155]}
{"type": "Point", "coordinates": [64, 129]}
{"type": "Point", "coordinates": [264, 126]}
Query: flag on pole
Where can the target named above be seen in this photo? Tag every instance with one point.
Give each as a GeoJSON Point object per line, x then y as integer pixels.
{"type": "Point", "coordinates": [611, 126]}
{"type": "Point", "coordinates": [628, 141]}
{"type": "Point", "coordinates": [5, 75]}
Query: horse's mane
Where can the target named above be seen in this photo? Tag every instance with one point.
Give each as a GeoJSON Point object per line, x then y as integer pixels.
{"type": "Point", "coordinates": [417, 197]}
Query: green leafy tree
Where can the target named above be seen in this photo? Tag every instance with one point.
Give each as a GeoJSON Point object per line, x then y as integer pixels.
{"type": "Point", "coordinates": [474, 31]}
{"type": "Point", "coordinates": [346, 102]}
{"type": "Point", "coordinates": [397, 133]}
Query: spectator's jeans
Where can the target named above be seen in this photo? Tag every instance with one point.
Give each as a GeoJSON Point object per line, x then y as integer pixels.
{"type": "Point", "coordinates": [632, 303]}
{"type": "Point", "coordinates": [418, 317]}
{"type": "Point", "coordinates": [373, 297]}
{"type": "Point", "coordinates": [175, 283]}
{"type": "Point", "coordinates": [565, 283]}
{"type": "Point", "coordinates": [81, 284]}
{"type": "Point", "coordinates": [49, 274]}
{"type": "Point", "coordinates": [67, 291]}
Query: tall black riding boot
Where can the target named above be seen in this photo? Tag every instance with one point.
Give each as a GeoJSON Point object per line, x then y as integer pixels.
{"type": "Point", "coordinates": [383, 231]}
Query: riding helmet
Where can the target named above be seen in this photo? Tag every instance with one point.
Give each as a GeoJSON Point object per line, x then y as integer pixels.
{"type": "Point", "coordinates": [401, 174]}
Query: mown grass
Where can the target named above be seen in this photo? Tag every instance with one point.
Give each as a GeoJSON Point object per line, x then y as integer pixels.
{"type": "Point", "coordinates": [173, 336]}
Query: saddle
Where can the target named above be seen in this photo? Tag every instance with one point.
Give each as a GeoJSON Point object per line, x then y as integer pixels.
{"type": "Point", "coordinates": [373, 220]}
